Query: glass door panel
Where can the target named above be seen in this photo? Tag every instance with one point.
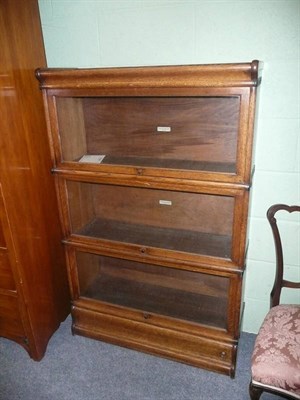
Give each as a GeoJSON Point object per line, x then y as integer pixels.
{"type": "Point", "coordinates": [185, 133]}
{"type": "Point", "coordinates": [180, 221]}
{"type": "Point", "coordinates": [185, 295]}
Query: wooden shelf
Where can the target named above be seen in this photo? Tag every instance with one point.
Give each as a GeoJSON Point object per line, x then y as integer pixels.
{"type": "Point", "coordinates": [192, 165]}
{"type": "Point", "coordinates": [166, 238]}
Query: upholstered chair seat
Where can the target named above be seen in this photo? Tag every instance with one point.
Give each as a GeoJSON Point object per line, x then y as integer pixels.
{"type": "Point", "coordinates": [276, 355]}
{"type": "Point", "coordinates": [275, 364]}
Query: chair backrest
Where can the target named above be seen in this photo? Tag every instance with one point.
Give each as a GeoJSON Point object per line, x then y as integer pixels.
{"type": "Point", "coordinates": [279, 282]}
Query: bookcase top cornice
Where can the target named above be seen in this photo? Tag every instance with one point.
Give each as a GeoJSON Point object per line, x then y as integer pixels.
{"type": "Point", "coordinates": [184, 76]}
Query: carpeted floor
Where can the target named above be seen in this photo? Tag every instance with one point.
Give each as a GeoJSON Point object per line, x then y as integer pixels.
{"type": "Point", "coordinates": [77, 368]}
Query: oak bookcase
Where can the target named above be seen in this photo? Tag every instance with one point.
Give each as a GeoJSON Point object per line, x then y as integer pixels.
{"type": "Point", "coordinates": [153, 170]}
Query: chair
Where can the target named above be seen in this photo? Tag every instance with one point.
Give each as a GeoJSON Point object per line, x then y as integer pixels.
{"type": "Point", "coordinates": [275, 365]}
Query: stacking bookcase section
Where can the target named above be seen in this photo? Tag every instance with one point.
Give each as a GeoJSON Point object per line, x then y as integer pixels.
{"type": "Point", "coordinates": [153, 171]}
{"type": "Point", "coordinates": [182, 133]}
{"type": "Point", "coordinates": [166, 223]}
{"type": "Point", "coordinates": [153, 289]}
{"type": "Point", "coordinates": [193, 122]}
{"type": "Point", "coordinates": [177, 313]}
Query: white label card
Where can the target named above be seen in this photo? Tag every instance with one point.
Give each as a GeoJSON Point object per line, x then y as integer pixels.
{"type": "Point", "coordinates": [163, 129]}
{"type": "Point", "coordinates": [165, 202]}
{"type": "Point", "coordinates": [92, 159]}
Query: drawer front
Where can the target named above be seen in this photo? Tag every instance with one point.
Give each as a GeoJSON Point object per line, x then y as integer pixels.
{"type": "Point", "coordinates": [198, 350]}
{"type": "Point", "coordinates": [10, 319]}
{"type": "Point", "coordinates": [6, 277]}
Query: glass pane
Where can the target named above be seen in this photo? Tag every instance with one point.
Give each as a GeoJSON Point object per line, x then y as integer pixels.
{"type": "Point", "coordinates": [186, 222]}
{"type": "Point", "coordinates": [191, 133]}
{"type": "Point", "coordinates": [185, 295]}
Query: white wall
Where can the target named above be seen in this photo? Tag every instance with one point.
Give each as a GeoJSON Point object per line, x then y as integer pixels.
{"type": "Point", "coordinates": [87, 33]}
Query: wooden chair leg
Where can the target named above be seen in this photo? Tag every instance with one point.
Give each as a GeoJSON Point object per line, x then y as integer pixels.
{"type": "Point", "coordinates": [254, 392]}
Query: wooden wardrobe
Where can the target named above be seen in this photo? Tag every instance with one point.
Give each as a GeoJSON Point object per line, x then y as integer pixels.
{"type": "Point", "coordinates": [34, 294]}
